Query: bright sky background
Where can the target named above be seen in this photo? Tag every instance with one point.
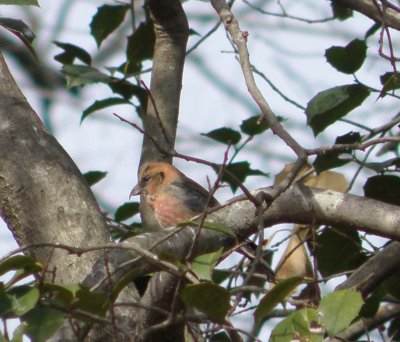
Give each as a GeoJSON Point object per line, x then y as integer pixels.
{"type": "Point", "coordinates": [284, 50]}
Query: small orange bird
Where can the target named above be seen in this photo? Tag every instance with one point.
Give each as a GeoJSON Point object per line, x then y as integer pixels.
{"type": "Point", "coordinates": [173, 197]}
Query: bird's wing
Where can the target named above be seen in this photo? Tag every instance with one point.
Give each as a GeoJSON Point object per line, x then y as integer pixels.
{"type": "Point", "coordinates": [194, 195]}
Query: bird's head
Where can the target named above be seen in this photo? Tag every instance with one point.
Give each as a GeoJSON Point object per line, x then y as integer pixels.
{"type": "Point", "coordinates": [153, 177]}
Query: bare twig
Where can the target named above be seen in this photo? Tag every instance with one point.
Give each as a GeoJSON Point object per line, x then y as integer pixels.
{"type": "Point", "coordinates": [239, 38]}
{"type": "Point", "coordinates": [153, 101]}
{"type": "Point", "coordinates": [346, 147]}
{"type": "Point", "coordinates": [275, 88]}
{"type": "Point", "coordinates": [210, 196]}
{"type": "Point", "coordinates": [287, 16]}
{"type": "Point", "coordinates": [193, 159]}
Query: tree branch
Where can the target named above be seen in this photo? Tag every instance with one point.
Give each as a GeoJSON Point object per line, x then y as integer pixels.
{"type": "Point", "coordinates": [307, 206]}
{"type": "Point", "coordinates": [368, 8]}
{"type": "Point", "coordinates": [374, 271]}
{"type": "Point", "coordinates": [160, 123]}
{"type": "Point", "coordinates": [43, 196]}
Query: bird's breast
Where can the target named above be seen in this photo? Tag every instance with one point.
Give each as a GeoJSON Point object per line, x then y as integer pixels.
{"type": "Point", "coordinates": [169, 211]}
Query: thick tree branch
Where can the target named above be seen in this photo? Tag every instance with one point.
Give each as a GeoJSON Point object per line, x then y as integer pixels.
{"type": "Point", "coordinates": [160, 123]}
{"type": "Point", "coordinates": [171, 30]}
{"type": "Point", "coordinates": [43, 196]}
{"type": "Point", "coordinates": [45, 199]}
{"type": "Point", "coordinates": [374, 271]}
{"type": "Point", "coordinates": [299, 204]}
{"type": "Point", "coordinates": [368, 8]}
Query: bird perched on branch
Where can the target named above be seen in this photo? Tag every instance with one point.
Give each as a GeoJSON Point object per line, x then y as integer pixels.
{"type": "Point", "coordinates": [173, 197]}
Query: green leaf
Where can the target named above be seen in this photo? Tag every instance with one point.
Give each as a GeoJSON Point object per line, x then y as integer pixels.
{"type": "Point", "coordinates": [17, 262]}
{"type": "Point", "coordinates": [96, 303]}
{"type": "Point", "coordinates": [301, 325]}
{"type": "Point", "coordinates": [275, 296]}
{"type": "Point", "coordinates": [97, 105]}
{"type": "Point", "coordinates": [224, 135]}
{"type": "Point", "coordinates": [253, 126]}
{"type": "Point", "coordinates": [218, 276]}
{"type": "Point", "coordinates": [71, 52]}
{"type": "Point", "coordinates": [18, 333]}
{"type": "Point", "coordinates": [127, 210]}
{"type": "Point", "coordinates": [332, 104]}
{"type": "Point", "coordinates": [348, 242]}
{"type": "Point", "coordinates": [385, 188]}
{"type": "Point", "coordinates": [373, 302]}
{"type": "Point", "coordinates": [330, 160]}
{"type": "Point", "coordinates": [19, 2]}
{"type": "Point", "coordinates": [203, 265]}
{"type": "Point", "coordinates": [241, 171]}
{"type": "Point", "coordinates": [140, 47]}
{"type": "Point", "coordinates": [349, 138]}
{"type": "Point", "coordinates": [21, 30]}
{"type": "Point", "coordinates": [6, 304]}
{"type": "Point", "coordinates": [24, 299]}
{"type": "Point", "coordinates": [42, 323]}
{"type": "Point", "coordinates": [106, 20]}
{"type": "Point", "coordinates": [390, 81]}
{"type": "Point", "coordinates": [93, 177]}
{"type": "Point", "coordinates": [77, 75]}
{"type": "Point", "coordinates": [210, 225]}
{"type": "Point", "coordinates": [338, 309]}
{"type": "Point", "coordinates": [127, 90]}
{"type": "Point", "coordinates": [347, 59]}
{"type": "Point", "coordinates": [62, 295]}
{"type": "Point", "coordinates": [340, 11]}
{"type": "Point", "coordinates": [211, 299]}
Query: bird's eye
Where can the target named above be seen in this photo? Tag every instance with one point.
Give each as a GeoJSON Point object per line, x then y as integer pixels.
{"type": "Point", "coordinates": [145, 179]}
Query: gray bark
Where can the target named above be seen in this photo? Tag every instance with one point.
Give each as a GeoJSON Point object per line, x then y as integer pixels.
{"type": "Point", "coordinates": [43, 196]}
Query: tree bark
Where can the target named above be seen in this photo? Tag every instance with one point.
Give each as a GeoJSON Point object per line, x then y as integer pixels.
{"type": "Point", "coordinates": [160, 123]}
{"type": "Point", "coordinates": [43, 196]}
{"type": "Point", "coordinates": [390, 18]}
{"type": "Point", "coordinates": [307, 206]}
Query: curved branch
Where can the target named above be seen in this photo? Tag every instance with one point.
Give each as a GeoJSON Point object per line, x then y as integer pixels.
{"type": "Point", "coordinates": [239, 38]}
{"type": "Point", "coordinates": [368, 8]}
{"type": "Point", "coordinates": [171, 32]}
{"type": "Point", "coordinates": [373, 272]}
{"type": "Point", "coordinates": [307, 206]}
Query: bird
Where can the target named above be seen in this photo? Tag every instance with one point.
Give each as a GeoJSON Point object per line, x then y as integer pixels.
{"type": "Point", "coordinates": [173, 197]}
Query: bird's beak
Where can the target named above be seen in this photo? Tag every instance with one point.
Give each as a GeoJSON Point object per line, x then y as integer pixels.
{"type": "Point", "coordinates": [137, 190]}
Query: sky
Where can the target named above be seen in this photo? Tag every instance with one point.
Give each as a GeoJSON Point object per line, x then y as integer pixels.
{"type": "Point", "coordinates": [288, 51]}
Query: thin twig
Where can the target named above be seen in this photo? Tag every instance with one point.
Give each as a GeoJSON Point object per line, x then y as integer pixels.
{"type": "Point", "coordinates": [175, 154]}
{"type": "Point", "coordinates": [274, 88]}
{"type": "Point", "coordinates": [153, 101]}
{"type": "Point", "coordinates": [287, 16]}
{"type": "Point", "coordinates": [210, 196]}
{"type": "Point", "coordinates": [346, 147]}
{"type": "Point", "coordinates": [239, 38]}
